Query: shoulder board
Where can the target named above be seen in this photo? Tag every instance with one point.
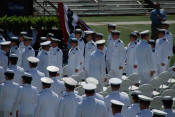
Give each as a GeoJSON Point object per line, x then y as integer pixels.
{"type": "Point", "coordinates": [30, 48]}
{"type": "Point", "coordinates": [16, 48]}
{"type": "Point", "coordinates": [135, 42]}
{"type": "Point", "coordinates": [58, 50]}
{"type": "Point", "coordinates": [168, 33]}
{"type": "Point", "coordinates": [46, 53]}
{"type": "Point", "coordinates": [76, 48]}
{"type": "Point", "coordinates": [164, 39]}
{"type": "Point", "coordinates": [119, 41]}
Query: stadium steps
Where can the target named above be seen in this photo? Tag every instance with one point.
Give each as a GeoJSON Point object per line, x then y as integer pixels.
{"type": "Point", "coordinates": [104, 7]}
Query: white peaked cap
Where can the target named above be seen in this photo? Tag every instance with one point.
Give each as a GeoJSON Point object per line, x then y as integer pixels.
{"type": "Point", "coordinates": [47, 80]}
{"type": "Point", "coordinates": [92, 80]}
{"type": "Point", "coordinates": [33, 59]}
{"type": "Point", "coordinates": [158, 112]}
{"type": "Point", "coordinates": [145, 98]}
{"type": "Point", "coordinates": [100, 42]}
{"type": "Point", "coordinates": [89, 86]}
{"type": "Point", "coordinates": [52, 69]}
{"type": "Point", "coordinates": [116, 102]}
{"type": "Point", "coordinates": [45, 43]}
{"type": "Point", "coordinates": [70, 81]}
{"type": "Point", "coordinates": [115, 81]}
{"type": "Point", "coordinates": [3, 43]}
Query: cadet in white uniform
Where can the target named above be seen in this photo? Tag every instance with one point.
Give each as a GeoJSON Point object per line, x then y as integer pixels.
{"type": "Point", "coordinates": [116, 95]}
{"type": "Point", "coordinates": [36, 74]}
{"type": "Point", "coordinates": [56, 55]}
{"type": "Point", "coordinates": [5, 46]}
{"type": "Point", "coordinates": [169, 37]}
{"type": "Point", "coordinates": [144, 106]}
{"type": "Point", "coordinates": [96, 82]}
{"type": "Point", "coordinates": [117, 55]}
{"type": "Point", "coordinates": [21, 39]}
{"type": "Point", "coordinates": [48, 101]}
{"type": "Point", "coordinates": [138, 36]}
{"type": "Point", "coordinates": [69, 102]}
{"type": "Point", "coordinates": [58, 86]}
{"type": "Point", "coordinates": [26, 52]}
{"type": "Point", "coordinates": [78, 35]}
{"type": "Point", "coordinates": [89, 48]}
{"type": "Point", "coordinates": [8, 92]}
{"type": "Point", "coordinates": [90, 106]}
{"type": "Point", "coordinates": [97, 65]}
{"type": "Point", "coordinates": [162, 50]}
{"type": "Point", "coordinates": [159, 113]}
{"type": "Point", "coordinates": [26, 99]}
{"type": "Point", "coordinates": [117, 108]}
{"type": "Point", "coordinates": [168, 106]}
{"type": "Point", "coordinates": [131, 62]}
{"type": "Point", "coordinates": [111, 27]}
{"type": "Point", "coordinates": [18, 71]}
{"type": "Point", "coordinates": [44, 57]}
{"type": "Point", "coordinates": [14, 46]}
{"type": "Point", "coordinates": [75, 59]}
{"type": "Point", "coordinates": [155, 60]}
{"type": "Point", "coordinates": [134, 108]}
{"type": "Point", "coordinates": [145, 59]}
{"type": "Point", "coordinates": [99, 36]}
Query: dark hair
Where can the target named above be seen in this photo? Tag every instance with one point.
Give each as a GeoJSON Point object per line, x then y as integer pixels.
{"type": "Point", "coordinates": [167, 103]}
{"type": "Point", "coordinates": [46, 85]}
{"type": "Point", "coordinates": [33, 65]}
{"type": "Point", "coordinates": [70, 87]}
{"type": "Point", "coordinates": [52, 74]}
{"type": "Point", "coordinates": [116, 107]}
{"type": "Point", "coordinates": [146, 103]}
{"type": "Point", "coordinates": [9, 75]}
{"type": "Point", "coordinates": [13, 61]}
{"type": "Point", "coordinates": [115, 86]}
{"type": "Point", "coordinates": [27, 80]}
{"type": "Point", "coordinates": [90, 92]}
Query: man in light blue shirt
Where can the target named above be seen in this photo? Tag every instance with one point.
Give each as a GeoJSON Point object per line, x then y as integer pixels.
{"type": "Point", "coordinates": [157, 16]}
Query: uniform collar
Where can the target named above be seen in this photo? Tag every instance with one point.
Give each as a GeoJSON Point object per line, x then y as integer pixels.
{"type": "Point", "coordinates": [68, 93]}
{"type": "Point", "coordinates": [47, 90]}
{"type": "Point", "coordinates": [8, 81]}
{"type": "Point", "coordinates": [26, 85]}
{"type": "Point", "coordinates": [115, 92]}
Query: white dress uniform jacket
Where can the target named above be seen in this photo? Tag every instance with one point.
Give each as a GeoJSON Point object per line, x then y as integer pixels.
{"type": "Point", "coordinates": [145, 113]}
{"type": "Point", "coordinates": [56, 58]}
{"type": "Point", "coordinates": [145, 60]}
{"type": "Point", "coordinates": [133, 110]}
{"type": "Point", "coordinates": [118, 115]}
{"type": "Point", "coordinates": [97, 67]}
{"type": "Point", "coordinates": [170, 112]}
{"type": "Point", "coordinates": [15, 50]}
{"type": "Point", "coordinates": [117, 58]}
{"type": "Point", "coordinates": [8, 93]}
{"type": "Point", "coordinates": [68, 104]}
{"type": "Point", "coordinates": [36, 77]}
{"type": "Point", "coordinates": [27, 52]}
{"type": "Point", "coordinates": [169, 37]}
{"type": "Point", "coordinates": [18, 71]}
{"type": "Point", "coordinates": [58, 86]}
{"type": "Point", "coordinates": [44, 58]}
{"type": "Point", "coordinates": [110, 42]}
{"type": "Point", "coordinates": [116, 95]}
{"type": "Point", "coordinates": [1, 75]}
{"type": "Point", "coordinates": [91, 107]}
{"type": "Point", "coordinates": [81, 45]}
{"type": "Point", "coordinates": [162, 50]}
{"type": "Point", "coordinates": [75, 59]}
{"type": "Point", "coordinates": [26, 101]}
{"type": "Point", "coordinates": [47, 105]}
{"type": "Point", "coordinates": [89, 48]}
{"type": "Point", "coordinates": [3, 59]}
{"type": "Point", "coordinates": [130, 58]}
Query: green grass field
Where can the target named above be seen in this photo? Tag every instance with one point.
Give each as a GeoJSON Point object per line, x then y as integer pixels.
{"type": "Point", "coordinates": [120, 18]}
{"type": "Point", "coordinates": [126, 29]}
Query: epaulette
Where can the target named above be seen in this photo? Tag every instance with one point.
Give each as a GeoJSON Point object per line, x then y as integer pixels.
{"type": "Point", "coordinates": [168, 33]}
{"type": "Point", "coordinates": [58, 50]}
{"type": "Point", "coordinates": [164, 39]}
{"type": "Point", "coordinates": [46, 53]}
{"type": "Point", "coordinates": [16, 48]}
{"type": "Point", "coordinates": [135, 43]}
{"type": "Point", "coordinates": [119, 41]}
{"type": "Point", "coordinates": [30, 48]}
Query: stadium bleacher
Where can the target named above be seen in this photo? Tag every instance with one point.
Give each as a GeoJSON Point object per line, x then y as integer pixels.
{"type": "Point", "coordinates": [101, 7]}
